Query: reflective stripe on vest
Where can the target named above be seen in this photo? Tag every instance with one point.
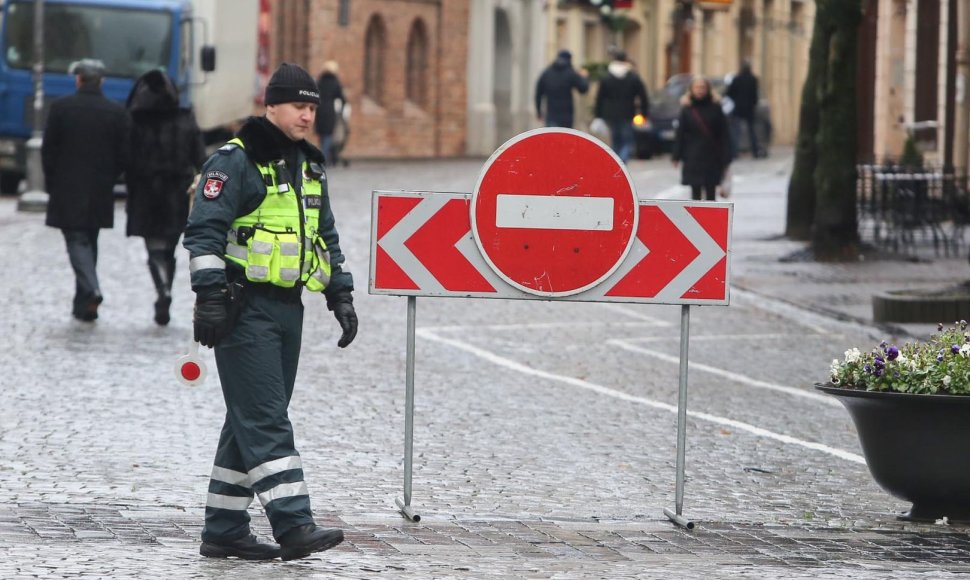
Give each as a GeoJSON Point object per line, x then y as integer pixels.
{"type": "Point", "coordinates": [267, 242]}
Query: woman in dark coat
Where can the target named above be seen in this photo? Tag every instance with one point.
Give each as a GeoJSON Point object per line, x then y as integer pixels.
{"type": "Point", "coordinates": [703, 140]}
{"type": "Point", "coordinates": [166, 153]}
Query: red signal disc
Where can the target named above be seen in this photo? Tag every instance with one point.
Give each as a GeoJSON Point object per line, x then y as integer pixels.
{"type": "Point", "coordinates": [191, 371]}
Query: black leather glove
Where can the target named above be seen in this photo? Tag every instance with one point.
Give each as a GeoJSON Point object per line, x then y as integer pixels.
{"type": "Point", "coordinates": [211, 318]}
{"type": "Point", "coordinates": [342, 306]}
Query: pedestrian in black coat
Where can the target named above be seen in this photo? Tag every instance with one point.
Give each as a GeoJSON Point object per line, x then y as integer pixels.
{"type": "Point", "coordinates": [167, 151]}
{"type": "Point", "coordinates": [330, 111]}
{"type": "Point", "coordinates": [743, 92]}
{"type": "Point", "coordinates": [703, 141]}
{"type": "Point", "coordinates": [85, 150]}
{"type": "Point", "coordinates": [556, 85]}
{"type": "Point", "coordinates": [621, 95]}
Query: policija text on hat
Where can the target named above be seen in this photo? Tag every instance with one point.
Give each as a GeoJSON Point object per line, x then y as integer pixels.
{"type": "Point", "coordinates": [260, 234]}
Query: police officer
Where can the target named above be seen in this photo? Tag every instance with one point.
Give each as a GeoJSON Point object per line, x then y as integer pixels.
{"type": "Point", "coordinates": [260, 234]}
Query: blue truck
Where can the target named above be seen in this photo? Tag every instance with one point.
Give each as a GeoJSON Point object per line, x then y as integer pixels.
{"type": "Point", "coordinates": [181, 37]}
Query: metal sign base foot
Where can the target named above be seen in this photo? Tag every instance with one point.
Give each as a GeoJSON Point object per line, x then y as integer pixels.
{"type": "Point", "coordinates": [679, 519]}
{"type": "Point", "coordinates": [407, 511]}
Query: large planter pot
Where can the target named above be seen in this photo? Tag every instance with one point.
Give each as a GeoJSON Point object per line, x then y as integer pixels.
{"type": "Point", "coordinates": [917, 448]}
{"type": "Point", "coordinates": [922, 305]}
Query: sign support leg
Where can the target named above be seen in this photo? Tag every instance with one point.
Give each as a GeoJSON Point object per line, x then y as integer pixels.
{"type": "Point", "coordinates": [405, 506]}
{"type": "Point", "coordinates": [677, 517]}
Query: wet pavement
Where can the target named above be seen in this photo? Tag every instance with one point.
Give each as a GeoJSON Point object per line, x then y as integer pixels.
{"type": "Point", "coordinates": [543, 447]}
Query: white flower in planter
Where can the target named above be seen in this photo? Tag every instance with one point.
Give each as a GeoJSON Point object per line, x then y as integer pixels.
{"type": "Point", "coordinates": [939, 365]}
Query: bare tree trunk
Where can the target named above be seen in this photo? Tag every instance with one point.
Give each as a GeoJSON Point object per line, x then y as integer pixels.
{"type": "Point", "coordinates": [801, 188]}
{"type": "Point", "coordinates": [835, 233]}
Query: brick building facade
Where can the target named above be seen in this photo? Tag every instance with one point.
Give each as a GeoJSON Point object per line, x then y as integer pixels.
{"type": "Point", "coordinates": [440, 78]}
{"type": "Point", "coordinates": [402, 65]}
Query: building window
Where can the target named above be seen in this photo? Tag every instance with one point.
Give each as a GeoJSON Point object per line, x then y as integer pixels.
{"type": "Point", "coordinates": [417, 64]}
{"type": "Point", "coordinates": [375, 44]}
{"type": "Point", "coordinates": [292, 28]}
{"type": "Point", "coordinates": [343, 13]}
{"type": "Point", "coordinates": [927, 60]}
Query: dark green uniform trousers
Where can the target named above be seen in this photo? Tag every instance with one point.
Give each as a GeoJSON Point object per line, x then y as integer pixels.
{"type": "Point", "coordinates": [257, 367]}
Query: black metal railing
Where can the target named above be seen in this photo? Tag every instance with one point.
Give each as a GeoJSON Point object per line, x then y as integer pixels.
{"type": "Point", "coordinates": [903, 209]}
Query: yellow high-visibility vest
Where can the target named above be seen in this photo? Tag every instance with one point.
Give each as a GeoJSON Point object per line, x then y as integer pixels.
{"type": "Point", "coordinates": [279, 242]}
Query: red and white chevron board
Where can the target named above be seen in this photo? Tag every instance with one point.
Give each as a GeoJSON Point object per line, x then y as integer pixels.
{"type": "Point", "coordinates": [422, 245]}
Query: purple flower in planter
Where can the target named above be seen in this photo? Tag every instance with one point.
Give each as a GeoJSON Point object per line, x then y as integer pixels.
{"type": "Point", "coordinates": [892, 352]}
{"type": "Point", "coordinates": [879, 363]}
{"type": "Point", "coordinates": [955, 348]}
{"type": "Point", "coordinates": [868, 369]}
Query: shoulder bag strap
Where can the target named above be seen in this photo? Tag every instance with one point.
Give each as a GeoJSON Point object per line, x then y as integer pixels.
{"type": "Point", "coordinates": [703, 125]}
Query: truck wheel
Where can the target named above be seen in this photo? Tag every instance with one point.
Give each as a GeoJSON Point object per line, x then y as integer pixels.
{"type": "Point", "coordinates": [9, 182]}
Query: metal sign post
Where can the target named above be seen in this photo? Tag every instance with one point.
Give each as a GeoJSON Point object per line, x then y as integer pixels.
{"type": "Point", "coordinates": [677, 516]}
{"type": "Point", "coordinates": [405, 506]}
{"type": "Point", "coordinates": [34, 198]}
{"type": "Point", "coordinates": [553, 217]}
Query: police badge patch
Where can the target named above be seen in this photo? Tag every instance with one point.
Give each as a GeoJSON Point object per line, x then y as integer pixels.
{"type": "Point", "coordinates": [212, 188]}
{"type": "Point", "coordinates": [214, 180]}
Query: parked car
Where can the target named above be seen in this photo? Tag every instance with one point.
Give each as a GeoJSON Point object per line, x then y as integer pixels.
{"type": "Point", "coordinates": [656, 134]}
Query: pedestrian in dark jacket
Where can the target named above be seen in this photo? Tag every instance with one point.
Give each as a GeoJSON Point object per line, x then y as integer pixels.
{"type": "Point", "coordinates": [330, 112]}
{"type": "Point", "coordinates": [85, 150]}
{"type": "Point", "coordinates": [556, 86]}
{"type": "Point", "coordinates": [166, 153]}
{"type": "Point", "coordinates": [620, 97]}
{"type": "Point", "coordinates": [743, 92]}
{"type": "Point", "coordinates": [702, 141]}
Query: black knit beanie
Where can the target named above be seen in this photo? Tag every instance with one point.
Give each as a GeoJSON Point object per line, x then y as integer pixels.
{"type": "Point", "coordinates": [291, 84]}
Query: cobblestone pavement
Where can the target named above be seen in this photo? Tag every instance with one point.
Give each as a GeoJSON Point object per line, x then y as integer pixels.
{"type": "Point", "coordinates": [544, 433]}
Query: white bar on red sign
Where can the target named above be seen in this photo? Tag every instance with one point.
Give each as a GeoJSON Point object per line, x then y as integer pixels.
{"type": "Point", "coordinates": [544, 212]}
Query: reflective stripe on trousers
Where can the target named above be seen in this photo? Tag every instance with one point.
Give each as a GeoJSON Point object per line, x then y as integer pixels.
{"type": "Point", "coordinates": [255, 475]}
{"type": "Point", "coordinates": [257, 366]}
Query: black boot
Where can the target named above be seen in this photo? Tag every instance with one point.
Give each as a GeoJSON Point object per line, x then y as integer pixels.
{"type": "Point", "coordinates": [88, 311]}
{"type": "Point", "coordinates": [304, 540]}
{"type": "Point", "coordinates": [162, 276]}
{"type": "Point", "coordinates": [162, 316]}
{"type": "Point", "coordinates": [247, 548]}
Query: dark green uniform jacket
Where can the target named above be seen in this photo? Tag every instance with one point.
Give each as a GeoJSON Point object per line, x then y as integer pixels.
{"type": "Point", "coordinates": [231, 186]}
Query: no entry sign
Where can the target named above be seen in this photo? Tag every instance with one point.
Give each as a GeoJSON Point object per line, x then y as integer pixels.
{"type": "Point", "coordinates": [422, 245]}
{"type": "Point", "coordinates": [554, 212]}
{"type": "Point", "coordinates": [554, 216]}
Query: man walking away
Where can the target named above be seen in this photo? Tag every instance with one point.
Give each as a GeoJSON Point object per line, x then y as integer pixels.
{"type": "Point", "coordinates": [620, 97]}
{"type": "Point", "coordinates": [261, 232]}
{"type": "Point", "coordinates": [743, 91]}
{"type": "Point", "coordinates": [556, 85]}
{"type": "Point", "coordinates": [85, 150]}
